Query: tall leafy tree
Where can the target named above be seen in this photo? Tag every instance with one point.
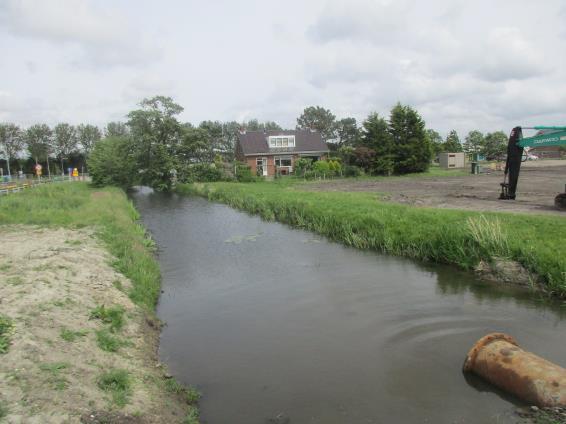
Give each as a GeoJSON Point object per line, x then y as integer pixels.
{"type": "Point", "coordinates": [319, 119]}
{"type": "Point", "coordinates": [64, 142]}
{"type": "Point", "coordinates": [494, 145]}
{"type": "Point", "coordinates": [473, 142]}
{"type": "Point", "coordinates": [376, 136]}
{"type": "Point", "coordinates": [411, 145]}
{"type": "Point", "coordinates": [87, 136]}
{"type": "Point", "coordinates": [255, 125]}
{"type": "Point", "coordinates": [116, 129]}
{"type": "Point", "coordinates": [38, 140]}
{"type": "Point", "coordinates": [11, 142]}
{"type": "Point", "coordinates": [156, 133]}
{"type": "Point", "coordinates": [452, 143]}
{"type": "Point", "coordinates": [348, 132]}
{"type": "Point", "coordinates": [196, 145]}
{"type": "Point", "coordinates": [435, 140]}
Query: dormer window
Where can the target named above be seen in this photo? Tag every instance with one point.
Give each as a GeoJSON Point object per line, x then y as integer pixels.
{"type": "Point", "coordinates": [281, 141]}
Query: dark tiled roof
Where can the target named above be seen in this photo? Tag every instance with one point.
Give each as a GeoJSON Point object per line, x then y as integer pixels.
{"type": "Point", "coordinates": [253, 142]}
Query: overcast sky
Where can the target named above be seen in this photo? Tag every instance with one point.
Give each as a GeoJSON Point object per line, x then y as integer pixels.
{"type": "Point", "coordinates": [486, 64]}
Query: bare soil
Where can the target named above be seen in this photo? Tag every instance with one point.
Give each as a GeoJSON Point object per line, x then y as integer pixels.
{"type": "Point", "coordinates": [50, 280]}
{"type": "Point", "coordinates": [539, 183]}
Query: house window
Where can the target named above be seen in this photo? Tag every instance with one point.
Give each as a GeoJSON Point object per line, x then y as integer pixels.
{"type": "Point", "coordinates": [283, 161]}
{"type": "Point", "coordinates": [282, 141]}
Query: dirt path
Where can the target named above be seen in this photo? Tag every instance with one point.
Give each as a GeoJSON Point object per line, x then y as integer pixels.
{"type": "Point", "coordinates": [539, 183]}
{"type": "Point", "coordinates": [51, 281]}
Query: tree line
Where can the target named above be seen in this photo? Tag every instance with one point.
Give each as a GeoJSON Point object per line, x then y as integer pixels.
{"type": "Point", "coordinates": [153, 147]}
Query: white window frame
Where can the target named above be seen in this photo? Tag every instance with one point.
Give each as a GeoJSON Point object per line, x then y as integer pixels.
{"type": "Point", "coordinates": [276, 141]}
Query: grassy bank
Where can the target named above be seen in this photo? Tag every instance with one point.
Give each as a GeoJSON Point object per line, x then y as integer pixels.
{"type": "Point", "coordinates": [92, 330]}
{"type": "Point", "coordinates": [75, 205]}
{"type": "Point", "coordinates": [463, 238]}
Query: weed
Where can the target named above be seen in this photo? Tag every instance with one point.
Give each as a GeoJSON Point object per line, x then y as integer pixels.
{"type": "Point", "coordinates": [5, 267]}
{"type": "Point", "coordinates": [70, 335]}
{"type": "Point", "coordinates": [15, 281]}
{"type": "Point", "coordinates": [192, 416]}
{"type": "Point", "coordinates": [6, 326]}
{"type": "Point", "coordinates": [193, 396]}
{"type": "Point", "coordinates": [4, 411]}
{"type": "Point", "coordinates": [108, 342]}
{"type": "Point", "coordinates": [118, 383]}
{"type": "Point", "coordinates": [74, 242]}
{"type": "Point", "coordinates": [113, 315]}
{"type": "Point", "coordinates": [118, 284]}
{"type": "Point", "coordinates": [54, 369]}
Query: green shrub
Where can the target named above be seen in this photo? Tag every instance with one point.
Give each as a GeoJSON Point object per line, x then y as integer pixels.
{"type": "Point", "coordinates": [321, 167]}
{"type": "Point", "coordinates": [201, 173]}
{"type": "Point", "coordinates": [302, 165]}
{"type": "Point", "coordinates": [244, 173]}
{"type": "Point", "coordinates": [111, 162]}
{"type": "Point", "coordinates": [353, 171]}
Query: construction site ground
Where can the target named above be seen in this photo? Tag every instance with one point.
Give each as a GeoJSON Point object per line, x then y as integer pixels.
{"type": "Point", "coordinates": [539, 182]}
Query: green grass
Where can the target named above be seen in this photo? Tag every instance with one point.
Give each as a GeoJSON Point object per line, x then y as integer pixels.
{"type": "Point", "coordinates": [6, 326]}
{"type": "Point", "coordinates": [118, 383]}
{"type": "Point", "coordinates": [70, 335]}
{"type": "Point", "coordinates": [109, 342]}
{"type": "Point", "coordinates": [448, 236]}
{"type": "Point", "coordinates": [113, 316]}
{"type": "Point", "coordinates": [54, 370]}
{"type": "Point", "coordinates": [77, 205]}
{"type": "Point", "coordinates": [4, 411]}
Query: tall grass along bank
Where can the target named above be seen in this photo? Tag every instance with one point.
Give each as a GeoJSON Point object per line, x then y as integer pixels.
{"type": "Point", "coordinates": [463, 238]}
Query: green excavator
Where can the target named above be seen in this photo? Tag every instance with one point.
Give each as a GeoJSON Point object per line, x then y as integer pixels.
{"type": "Point", "coordinates": [547, 136]}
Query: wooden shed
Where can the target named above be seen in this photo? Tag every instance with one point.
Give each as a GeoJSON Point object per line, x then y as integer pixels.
{"type": "Point", "coordinates": [451, 160]}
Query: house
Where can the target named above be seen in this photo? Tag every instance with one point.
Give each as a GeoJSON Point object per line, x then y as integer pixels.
{"type": "Point", "coordinates": [271, 152]}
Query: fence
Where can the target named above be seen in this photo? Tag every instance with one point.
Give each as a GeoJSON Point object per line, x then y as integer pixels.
{"type": "Point", "coordinates": [21, 183]}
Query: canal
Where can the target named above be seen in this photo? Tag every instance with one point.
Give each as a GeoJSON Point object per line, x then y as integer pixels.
{"type": "Point", "coordinates": [278, 325]}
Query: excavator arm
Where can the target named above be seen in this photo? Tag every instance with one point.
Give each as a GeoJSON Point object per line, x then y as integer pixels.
{"type": "Point", "coordinates": [553, 136]}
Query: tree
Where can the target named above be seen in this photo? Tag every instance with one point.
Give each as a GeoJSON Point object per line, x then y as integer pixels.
{"type": "Point", "coordinates": [255, 125]}
{"type": "Point", "coordinates": [87, 136]}
{"type": "Point", "coordinates": [348, 132]}
{"type": "Point", "coordinates": [11, 142]}
{"type": "Point", "coordinates": [435, 140]}
{"type": "Point", "coordinates": [494, 145]}
{"type": "Point", "coordinates": [375, 135]}
{"type": "Point", "coordinates": [65, 142]}
{"type": "Point", "coordinates": [196, 146]}
{"type": "Point", "coordinates": [38, 142]}
{"type": "Point", "coordinates": [452, 143]}
{"type": "Point", "coordinates": [410, 144]}
{"type": "Point", "coordinates": [156, 133]}
{"type": "Point", "coordinates": [112, 162]}
{"type": "Point", "coordinates": [115, 129]}
{"type": "Point", "coordinates": [319, 119]}
{"type": "Point", "coordinates": [474, 142]}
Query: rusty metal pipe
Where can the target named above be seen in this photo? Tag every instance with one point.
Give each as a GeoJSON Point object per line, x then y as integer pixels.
{"type": "Point", "coordinates": [498, 359]}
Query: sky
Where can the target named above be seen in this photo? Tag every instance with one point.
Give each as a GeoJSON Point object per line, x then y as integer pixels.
{"type": "Point", "coordinates": [487, 65]}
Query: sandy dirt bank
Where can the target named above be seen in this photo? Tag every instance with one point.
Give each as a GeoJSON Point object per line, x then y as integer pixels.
{"type": "Point", "coordinates": [50, 281]}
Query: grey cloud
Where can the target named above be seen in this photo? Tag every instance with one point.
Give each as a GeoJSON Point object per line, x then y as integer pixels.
{"type": "Point", "coordinates": [105, 38]}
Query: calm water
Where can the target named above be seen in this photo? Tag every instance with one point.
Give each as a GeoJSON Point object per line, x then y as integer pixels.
{"type": "Point", "coordinates": [276, 325]}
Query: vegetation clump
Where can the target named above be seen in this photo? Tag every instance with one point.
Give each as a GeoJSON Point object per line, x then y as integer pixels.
{"type": "Point", "coordinates": [70, 335]}
{"type": "Point", "coordinates": [109, 342]}
{"type": "Point", "coordinates": [114, 316]}
{"type": "Point", "coordinates": [6, 325]}
{"type": "Point", "coordinates": [118, 383]}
